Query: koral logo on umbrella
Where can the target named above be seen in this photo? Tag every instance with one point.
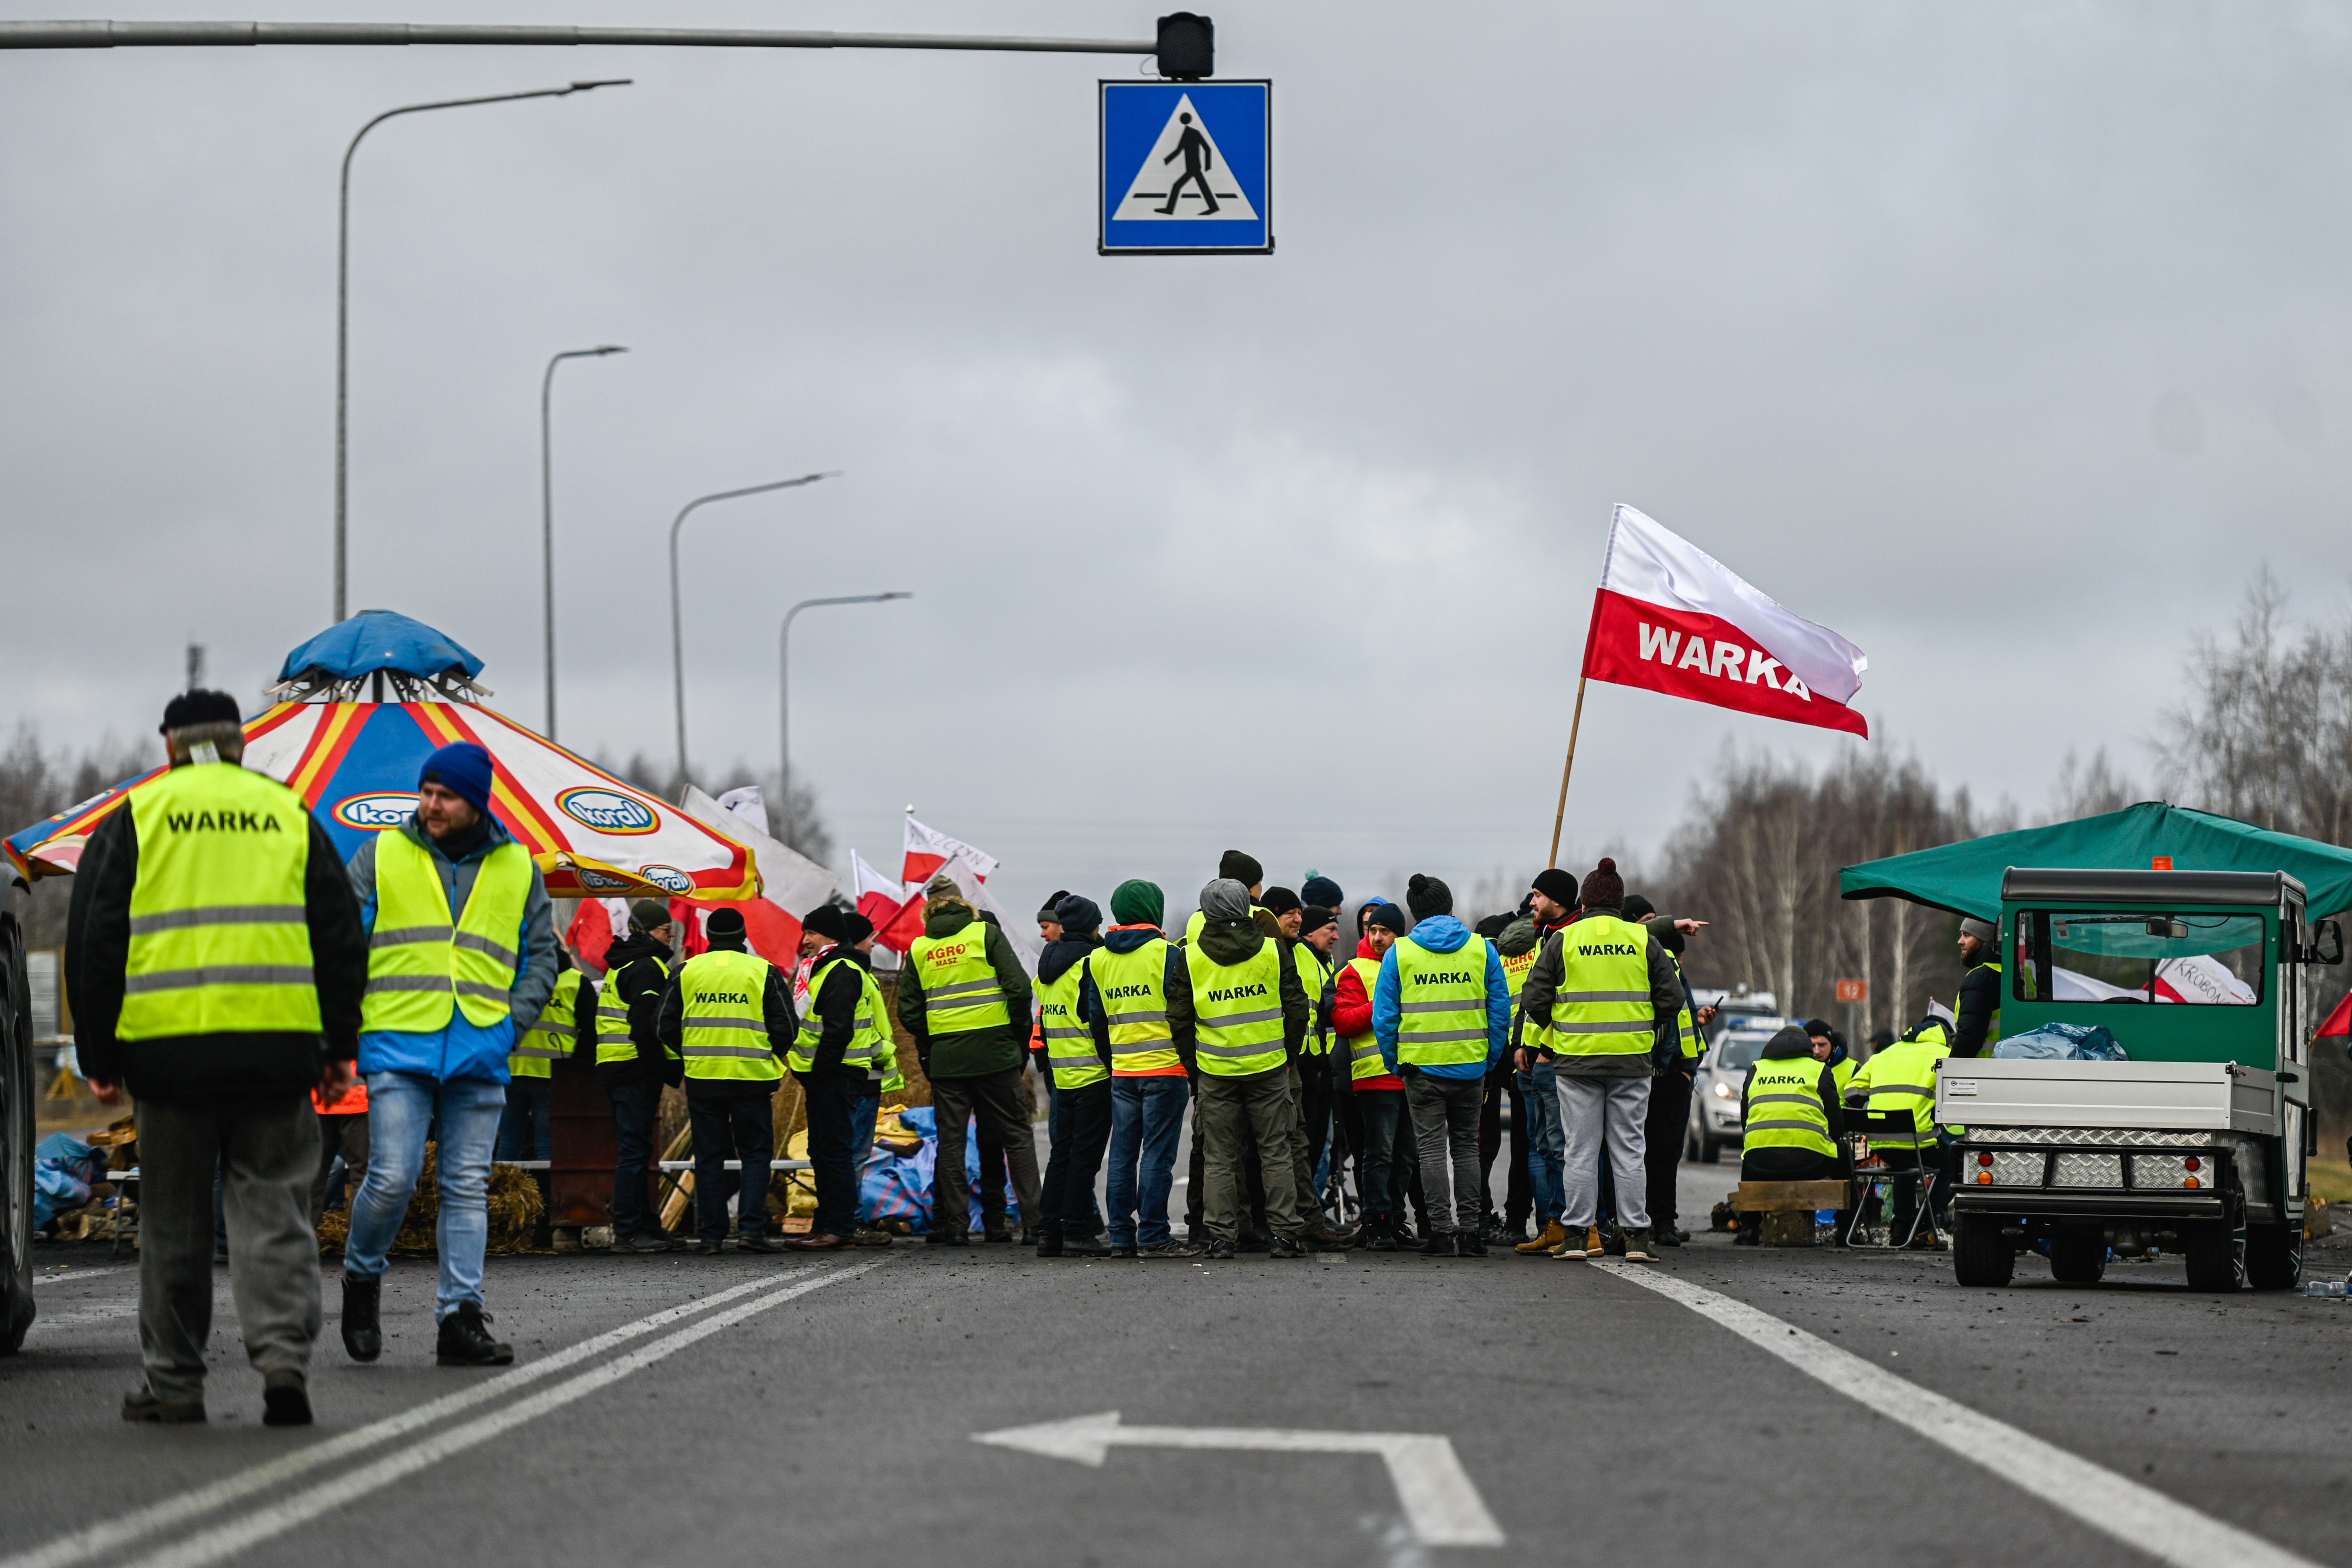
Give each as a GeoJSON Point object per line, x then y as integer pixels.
{"type": "Point", "coordinates": [607, 810]}
{"type": "Point", "coordinates": [668, 877]}
{"type": "Point", "coordinates": [375, 813]}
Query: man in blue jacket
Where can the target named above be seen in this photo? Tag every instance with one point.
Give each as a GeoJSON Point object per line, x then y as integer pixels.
{"type": "Point", "coordinates": [461, 958]}
{"type": "Point", "coordinates": [1442, 1014]}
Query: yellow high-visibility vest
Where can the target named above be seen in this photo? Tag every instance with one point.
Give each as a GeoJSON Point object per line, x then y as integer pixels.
{"type": "Point", "coordinates": [1070, 1044]}
{"type": "Point", "coordinates": [960, 990]}
{"type": "Point", "coordinates": [1237, 1010]}
{"type": "Point", "coordinates": [219, 940]}
{"type": "Point", "coordinates": [1443, 1004]}
{"type": "Point", "coordinates": [1784, 1107]}
{"type": "Point", "coordinates": [552, 1035]}
{"type": "Point", "coordinates": [1602, 1005]}
{"type": "Point", "coordinates": [723, 1017]}
{"type": "Point", "coordinates": [1902, 1076]}
{"type": "Point", "coordinates": [613, 1043]}
{"type": "Point", "coordinates": [1314, 975]}
{"type": "Point", "coordinates": [421, 968]}
{"type": "Point", "coordinates": [1364, 1058]}
{"type": "Point", "coordinates": [1133, 990]}
{"type": "Point", "coordinates": [871, 1047]}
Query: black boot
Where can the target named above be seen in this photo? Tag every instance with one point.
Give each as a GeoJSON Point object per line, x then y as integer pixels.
{"type": "Point", "coordinates": [465, 1340]}
{"type": "Point", "coordinates": [1049, 1244]}
{"type": "Point", "coordinates": [363, 1333]}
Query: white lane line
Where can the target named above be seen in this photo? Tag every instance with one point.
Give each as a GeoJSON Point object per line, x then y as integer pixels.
{"type": "Point", "coordinates": [77, 1274]}
{"type": "Point", "coordinates": [2139, 1516]}
{"type": "Point", "coordinates": [274, 1518]}
{"type": "Point", "coordinates": [111, 1534]}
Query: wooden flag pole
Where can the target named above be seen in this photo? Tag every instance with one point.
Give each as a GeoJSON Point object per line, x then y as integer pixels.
{"type": "Point", "coordinates": [1573, 725]}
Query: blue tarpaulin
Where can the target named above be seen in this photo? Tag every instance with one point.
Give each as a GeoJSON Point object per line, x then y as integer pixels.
{"type": "Point", "coordinates": [380, 639]}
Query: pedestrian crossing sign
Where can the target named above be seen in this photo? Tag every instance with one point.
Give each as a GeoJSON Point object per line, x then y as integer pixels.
{"type": "Point", "coordinates": [1186, 168]}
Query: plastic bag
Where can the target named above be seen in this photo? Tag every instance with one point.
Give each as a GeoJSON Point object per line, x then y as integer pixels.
{"type": "Point", "coordinates": [2061, 1042]}
{"type": "Point", "coordinates": [64, 1168]}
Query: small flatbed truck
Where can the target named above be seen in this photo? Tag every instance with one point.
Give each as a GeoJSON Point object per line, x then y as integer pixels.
{"type": "Point", "coordinates": [2195, 1143]}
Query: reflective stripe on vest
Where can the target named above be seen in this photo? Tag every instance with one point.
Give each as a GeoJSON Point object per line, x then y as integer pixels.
{"type": "Point", "coordinates": [871, 1044]}
{"type": "Point", "coordinates": [1685, 1027]}
{"type": "Point", "coordinates": [1364, 1059]}
{"type": "Point", "coordinates": [960, 990]}
{"type": "Point", "coordinates": [421, 969]}
{"type": "Point", "coordinates": [1784, 1107]}
{"type": "Point", "coordinates": [553, 1034]}
{"type": "Point", "coordinates": [613, 1043]}
{"type": "Point", "coordinates": [1237, 1009]}
{"type": "Point", "coordinates": [1902, 1076]}
{"type": "Point", "coordinates": [723, 1017]}
{"type": "Point", "coordinates": [1070, 1044]}
{"type": "Point", "coordinates": [1442, 1016]}
{"type": "Point", "coordinates": [1314, 975]}
{"type": "Point", "coordinates": [1602, 1005]}
{"type": "Point", "coordinates": [1132, 988]}
{"type": "Point", "coordinates": [219, 940]}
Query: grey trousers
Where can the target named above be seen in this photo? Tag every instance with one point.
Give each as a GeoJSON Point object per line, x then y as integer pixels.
{"type": "Point", "coordinates": [997, 1101]}
{"type": "Point", "coordinates": [1222, 1108]}
{"type": "Point", "coordinates": [1600, 1115]}
{"type": "Point", "coordinates": [267, 1151]}
{"type": "Point", "coordinates": [1446, 1133]}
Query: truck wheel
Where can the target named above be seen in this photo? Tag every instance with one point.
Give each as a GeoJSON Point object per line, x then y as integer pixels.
{"type": "Point", "coordinates": [2274, 1256]}
{"type": "Point", "coordinates": [2078, 1257]}
{"type": "Point", "coordinates": [1982, 1256]}
{"type": "Point", "coordinates": [17, 1091]}
{"type": "Point", "coordinates": [2217, 1256]}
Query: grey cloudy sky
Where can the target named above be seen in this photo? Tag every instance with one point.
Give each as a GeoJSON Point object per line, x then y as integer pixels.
{"type": "Point", "coordinates": [2005, 337]}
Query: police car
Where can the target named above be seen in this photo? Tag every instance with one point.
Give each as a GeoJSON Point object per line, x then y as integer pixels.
{"type": "Point", "coordinates": [1714, 1093]}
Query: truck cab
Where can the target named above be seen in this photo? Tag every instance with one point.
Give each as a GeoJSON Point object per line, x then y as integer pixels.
{"type": "Point", "coordinates": [2194, 1143]}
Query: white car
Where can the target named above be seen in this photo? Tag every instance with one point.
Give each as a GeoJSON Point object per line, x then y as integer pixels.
{"type": "Point", "coordinates": [1715, 1093]}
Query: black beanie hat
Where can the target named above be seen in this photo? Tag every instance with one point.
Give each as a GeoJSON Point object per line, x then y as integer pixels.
{"type": "Point", "coordinates": [1280, 901]}
{"type": "Point", "coordinates": [1603, 887]}
{"type": "Point", "coordinates": [723, 926]}
{"type": "Point", "coordinates": [1638, 907]}
{"type": "Point", "coordinates": [1492, 926]}
{"type": "Point", "coordinates": [190, 709]}
{"type": "Point", "coordinates": [855, 928]}
{"type": "Point", "coordinates": [1555, 885]}
{"type": "Point", "coordinates": [1052, 900]}
{"type": "Point", "coordinates": [828, 921]}
{"type": "Point", "coordinates": [1321, 890]}
{"type": "Point", "coordinates": [1426, 896]}
{"type": "Point", "coordinates": [1315, 917]}
{"type": "Point", "coordinates": [648, 915]}
{"type": "Point", "coordinates": [1240, 867]}
{"type": "Point", "coordinates": [1389, 915]}
{"type": "Point", "coordinates": [1078, 915]}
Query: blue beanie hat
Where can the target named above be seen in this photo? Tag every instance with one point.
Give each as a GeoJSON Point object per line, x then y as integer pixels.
{"type": "Point", "coordinates": [463, 767]}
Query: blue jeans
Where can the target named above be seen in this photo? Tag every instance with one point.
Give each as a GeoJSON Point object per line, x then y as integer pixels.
{"type": "Point", "coordinates": [1548, 1149]}
{"type": "Point", "coordinates": [1146, 1115]}
{"type": "Point", "coordinates": [525, 1131]}
{"type": "Point", "coordinates": [402, 1109]}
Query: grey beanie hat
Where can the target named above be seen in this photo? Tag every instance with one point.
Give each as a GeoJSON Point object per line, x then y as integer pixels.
{"type": "Point", "coordinates": [1226, 899]}
{"type": "Point", "coordinates": [1984, 931]}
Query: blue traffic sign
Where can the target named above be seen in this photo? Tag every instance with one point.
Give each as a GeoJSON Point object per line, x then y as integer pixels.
{"type": "Point", "coordinates": [1186, 168]}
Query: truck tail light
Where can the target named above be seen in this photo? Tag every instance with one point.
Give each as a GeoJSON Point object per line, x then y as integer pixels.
{"type": "Point", "coordinates": [2192, 1163]}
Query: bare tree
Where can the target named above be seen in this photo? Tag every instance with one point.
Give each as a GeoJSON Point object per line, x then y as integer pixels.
{"type": "Point", "coordinates": [36, 783]}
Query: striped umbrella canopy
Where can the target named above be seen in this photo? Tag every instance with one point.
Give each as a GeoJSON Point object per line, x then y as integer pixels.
{"type": "Point", "coordinates": [356, 764]}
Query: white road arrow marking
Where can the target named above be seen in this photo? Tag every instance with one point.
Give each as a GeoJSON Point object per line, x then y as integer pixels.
{"type": "Point", "coordinates": [1441, 1502]}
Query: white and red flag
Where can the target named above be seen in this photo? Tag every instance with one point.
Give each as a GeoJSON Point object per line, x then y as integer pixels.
{"type": "Point", "coordinates": [1670, 618]}
{"type": "Point", "coordinates": [928, 849]}
{"type": "Point", "coordinates": [898, 918]}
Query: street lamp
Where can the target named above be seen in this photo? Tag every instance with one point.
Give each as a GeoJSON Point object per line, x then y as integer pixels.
{"type": "Point", "coordinates": [784, 677]}
{"type": "Point", "coordinates": [677, 636]}
{"type": "Point", "coordinates": [547, 507]}
{"type": "Point", "coordinates": [343, 290]}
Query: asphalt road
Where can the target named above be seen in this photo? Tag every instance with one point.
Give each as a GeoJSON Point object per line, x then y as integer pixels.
{"type": "Point", "coordinates": [799, 1412]}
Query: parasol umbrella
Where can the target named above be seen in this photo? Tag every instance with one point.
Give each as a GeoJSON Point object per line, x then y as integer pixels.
{"type": "Point", "coordinates": [355, 762]}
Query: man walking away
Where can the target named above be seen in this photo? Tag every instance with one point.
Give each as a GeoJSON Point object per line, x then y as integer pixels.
{"type": "Point", "coordinates": [1067, 1221]}
{"type": "Point", "coordinates": [1793, 1129]}
{"type": "Point", "coordinates": [210, 870]}
{"type": "Point", "coordinates": [1442, 1013]}
{"type": "Point", "coordinates": [1138, 1010]}
{"type": "Point", "coordinates": [960, 995]}
{"type": "Point", "coordinates": [632, 1067]}
{"type": "Point", "coordinates": [1376, 1092]}
{"type": "Point", "coordinates": [1249, 1017]}
{"type": "Point", "coordinates": [729, 1015]}
{"type": "Point", "coordinates": [1605, 993]}
{"type": "Point", "coordinates": [461, 958]}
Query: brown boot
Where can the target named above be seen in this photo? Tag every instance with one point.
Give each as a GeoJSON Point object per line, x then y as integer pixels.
{"type": "Point", "coordinates": [1553, 1234]}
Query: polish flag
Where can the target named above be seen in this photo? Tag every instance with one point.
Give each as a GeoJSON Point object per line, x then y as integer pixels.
{"type": "Point", "coordinates": [928, 849]}
{"type": "Point", "coordinates": [898, 918]}
{"type": "Point", "coordinates": [597, 925]}
{"type": "Point", "coordinates": [1670, 618]}
{"type": "Point", "coordinates": [2339, 1022]}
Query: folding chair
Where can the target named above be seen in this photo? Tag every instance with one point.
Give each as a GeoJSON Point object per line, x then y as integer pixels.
{"type": "Point", "coordinates": [1866, 1227]}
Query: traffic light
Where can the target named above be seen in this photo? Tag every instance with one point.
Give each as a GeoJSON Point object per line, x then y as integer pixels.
{"type": "Point", "coordinates": [1188, 46]}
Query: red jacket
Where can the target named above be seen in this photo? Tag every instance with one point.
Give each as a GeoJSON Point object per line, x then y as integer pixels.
{"type": "Point", "coordinates": [1351, 1014]}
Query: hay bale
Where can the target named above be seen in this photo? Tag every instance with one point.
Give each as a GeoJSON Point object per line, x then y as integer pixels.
{"type": "Point", "coordinates": [514, 1203]}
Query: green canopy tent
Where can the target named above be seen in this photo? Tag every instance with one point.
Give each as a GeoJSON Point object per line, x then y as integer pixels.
{"type": "Point", "coordinates": [1964, 878]}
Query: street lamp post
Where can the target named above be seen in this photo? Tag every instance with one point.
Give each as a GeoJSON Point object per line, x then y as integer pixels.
{"type": "Point", "coordinates": [784, 678]}
{"type": "Point", "coordinates": [344, 291]}
{"type": "Point", "coordinates": [546, 506]}
{"type": "Point", "coordinates": [676, 632]}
